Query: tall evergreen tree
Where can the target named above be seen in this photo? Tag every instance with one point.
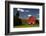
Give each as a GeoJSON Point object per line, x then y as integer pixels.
{"type": "Point", "coordinates": [17, 21]}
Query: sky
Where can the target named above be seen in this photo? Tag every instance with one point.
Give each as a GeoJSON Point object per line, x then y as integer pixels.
{"type": "Point", "coordinates": [26, 12]}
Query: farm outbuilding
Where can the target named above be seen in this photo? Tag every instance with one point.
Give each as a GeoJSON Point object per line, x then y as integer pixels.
{"type": "Point", "coordinates": [31, 20]}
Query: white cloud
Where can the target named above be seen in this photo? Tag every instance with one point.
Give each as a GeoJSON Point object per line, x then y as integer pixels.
{"type": "Point", "coordinates": [20, 10]}
{"type": "Point", "coordinates": [29, 15]}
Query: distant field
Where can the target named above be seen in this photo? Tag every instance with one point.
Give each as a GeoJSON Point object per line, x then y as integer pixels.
{"type": "Point", "coordinates": [27, 25]}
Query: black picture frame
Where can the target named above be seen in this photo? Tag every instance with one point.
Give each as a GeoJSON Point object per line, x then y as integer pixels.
{"type": "Point", "coordinates": [7, 16]}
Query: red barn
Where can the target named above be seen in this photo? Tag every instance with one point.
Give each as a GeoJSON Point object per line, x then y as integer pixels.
{"type": "Point", "coordinates": [31, 20]}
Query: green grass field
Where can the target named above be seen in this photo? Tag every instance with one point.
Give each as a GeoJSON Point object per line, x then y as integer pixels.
{"type": "Point", "coordinates": [27, 25]}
